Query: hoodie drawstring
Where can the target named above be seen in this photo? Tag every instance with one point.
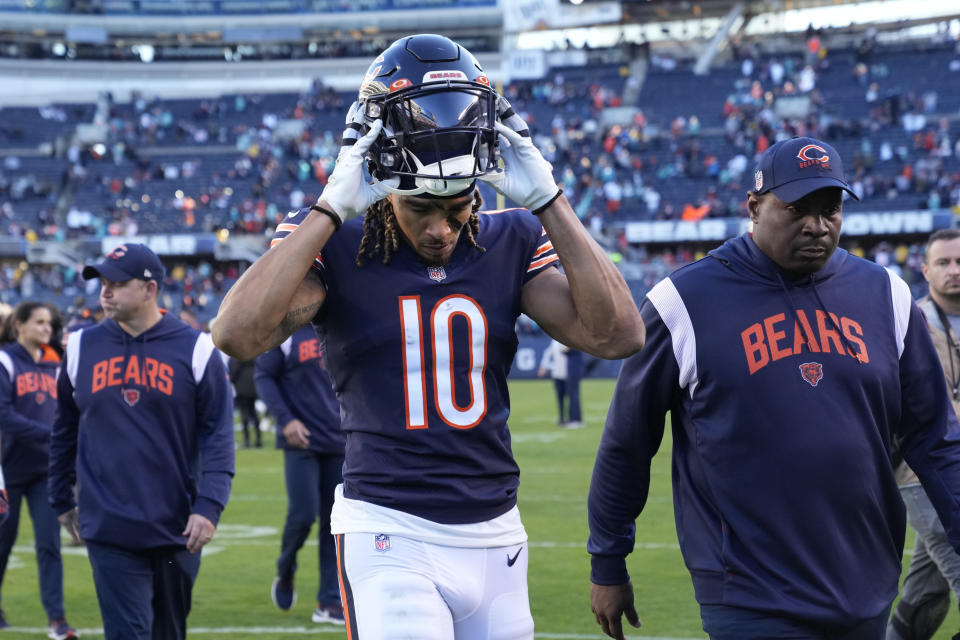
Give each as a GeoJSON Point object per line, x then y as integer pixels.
{"type": "Point", "coordinates": [793, 309]}
{"type": "Point", "coordinates": [142, 360]}
{"type": "Point", "coordinates": [855, 353]}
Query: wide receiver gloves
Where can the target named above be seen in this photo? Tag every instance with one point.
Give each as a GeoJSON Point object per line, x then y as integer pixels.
{"type": "Point", "coordinates": [347, 192]}
{"type": "Point", "coordinates": [527, 178]}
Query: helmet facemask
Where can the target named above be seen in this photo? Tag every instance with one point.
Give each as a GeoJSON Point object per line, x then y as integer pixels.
{"type": "Point", "coordinates": [438, 137]}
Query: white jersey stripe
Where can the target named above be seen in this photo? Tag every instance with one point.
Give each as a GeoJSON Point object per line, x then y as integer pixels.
{"type": "Point", "coordinates": [902, 301]}
{"type": "Point", "coordinates": [546, 246]}
{"type": "Point", "coordinates": [673, 312]}
{"type": "Point", "coordinates": [286, 347]}
{"type": "Point", "coordinates": [202, 351]}
{"type": "Point", "coordinates": [542, 262]}
{"type": "Point", "coordinates": [7, 362]}
{"type": "Point", "coordinates": [73, 356]}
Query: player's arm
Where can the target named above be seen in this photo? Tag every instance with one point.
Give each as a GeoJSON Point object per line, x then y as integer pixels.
{"type": "Point", "coordinates": [589, 308]}
{"type": "Point", "coordinates": [214, 426]}
{"type": "Point", "coordinates": [62, 472]}
{"type": "Point", "coordinates": [277, 295]}
{"type": "Point", "coordinates": [646, 389]}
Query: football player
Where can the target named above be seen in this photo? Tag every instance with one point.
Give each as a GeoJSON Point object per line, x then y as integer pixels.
{"type": "Point", "coordinates": [416, 292]}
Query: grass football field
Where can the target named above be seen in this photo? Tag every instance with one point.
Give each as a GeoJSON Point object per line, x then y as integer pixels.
{"type": "Point", "coordinates": [231, 597]}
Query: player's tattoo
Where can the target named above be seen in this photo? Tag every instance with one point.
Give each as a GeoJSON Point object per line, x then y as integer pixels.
{"type": "Point", "coordinates": [299, 317]}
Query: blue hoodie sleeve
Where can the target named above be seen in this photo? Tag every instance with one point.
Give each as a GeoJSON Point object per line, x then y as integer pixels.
{"type": "Point", "coordinates": [62, 473]}
{"type": "Point", "coordinates": [4, 504]}
{"type": "Point", "coordinates": [646, 389]}
{"type": "Point", "coordinates": [215, 432]}
{"type": "Point", "coordinates": [268, 372]}
{"type": "Point", "coordinates": [13, 422]}
{"type": "Point", "coordinates": [929, 433]}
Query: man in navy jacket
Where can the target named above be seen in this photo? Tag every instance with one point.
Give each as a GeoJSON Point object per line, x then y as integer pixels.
{"type": "Point", "coordinates": [788, 367]}
{"type": "Point", "coordinates": [144, 429]}
{"type": "Point", "coordinates": [297, 390]}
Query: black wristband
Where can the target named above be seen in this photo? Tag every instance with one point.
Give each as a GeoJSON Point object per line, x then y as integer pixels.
{"type": "Point", "coordinates": [336, 219]}
{"type": "Point", "coordinates": [540, 210]}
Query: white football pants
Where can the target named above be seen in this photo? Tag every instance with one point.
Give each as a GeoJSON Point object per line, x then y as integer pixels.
{"type": "Point", "coordinates": [396, 588]}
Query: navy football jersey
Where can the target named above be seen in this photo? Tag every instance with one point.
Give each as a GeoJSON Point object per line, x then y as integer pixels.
{"type": "Point", "coordinates": [419, 356]}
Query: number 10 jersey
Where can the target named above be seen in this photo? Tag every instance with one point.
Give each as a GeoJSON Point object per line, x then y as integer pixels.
{"type": "Point", "coordinates": [419, 356]}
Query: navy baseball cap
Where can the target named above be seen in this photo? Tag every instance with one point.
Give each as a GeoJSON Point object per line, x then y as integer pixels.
{"type": "Point", "coordinates": [127, 262]}
{"type": "Point", "coordinates": [793, 168]}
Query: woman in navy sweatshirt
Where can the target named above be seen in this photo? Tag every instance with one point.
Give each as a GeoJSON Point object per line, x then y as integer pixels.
{"type": "Point", "coordinates": [28, 404]}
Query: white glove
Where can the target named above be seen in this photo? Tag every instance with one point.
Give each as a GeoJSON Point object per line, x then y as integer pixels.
{"type": "Point", "coordinates": [527, 178]}
{"type": "Point", "coordinates": [347, 192]}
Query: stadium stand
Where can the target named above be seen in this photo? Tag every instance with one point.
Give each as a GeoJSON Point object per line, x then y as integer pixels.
{"type": "Point", "coordinates": [680, 148]}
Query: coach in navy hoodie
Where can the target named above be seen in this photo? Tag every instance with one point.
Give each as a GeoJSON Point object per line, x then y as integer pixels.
{"type": "Point", "coordinates": [28, 405]}
{"type": "Point", "coordinates": [144, 429]}
{"type": "Point", "coordinates": [788, 367]}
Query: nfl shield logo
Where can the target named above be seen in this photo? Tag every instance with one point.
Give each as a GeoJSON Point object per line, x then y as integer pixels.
{"type": "Point", "coordinates": [131, 396]}
{"type": "Point", "coordinates": [382, 542]}
{"type": "Point", "coordinates": [436, 273]}
{"type": "Point", "coordinates": [812, 372]}
{"type": "Point", "coordinates": [758, 180]}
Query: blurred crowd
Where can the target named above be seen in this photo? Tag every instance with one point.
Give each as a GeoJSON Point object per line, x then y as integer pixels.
{"type": "Point", "coordinates": [903, 145]}
{"type": "Point", "coordinates": [236, 164]}
{"type": "Point", "coordinates": [240, 162]}
{"type": "Point", "coordinates": [195, 287]}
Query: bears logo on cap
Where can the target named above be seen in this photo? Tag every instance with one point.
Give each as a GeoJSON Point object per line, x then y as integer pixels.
{"type": "Point", "coordinates": [813, 154]}
{"type": "Point", "coordinates": [118, 252]}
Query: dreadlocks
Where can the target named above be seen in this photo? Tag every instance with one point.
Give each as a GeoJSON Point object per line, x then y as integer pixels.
{"type": "Point", "coordinates": [381, 231]}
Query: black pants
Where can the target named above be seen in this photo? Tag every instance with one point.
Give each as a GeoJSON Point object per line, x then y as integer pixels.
{"type": "Point", "coordinates": [248, 418]}
{"type": "Point", "coordinates": [46, 536]}
{"type": "Point", "coordinates": [143, 594]}
{"type": "Point", "coordinates": [312, 479]}
{"type": "Point", "coordinates": [733, 623]}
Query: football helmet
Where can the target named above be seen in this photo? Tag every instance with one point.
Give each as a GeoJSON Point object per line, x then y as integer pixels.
{"type": "Point", "coordinates": [439, 114]}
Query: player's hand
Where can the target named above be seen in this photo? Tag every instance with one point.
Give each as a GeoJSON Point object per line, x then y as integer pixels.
{"type": "Point", "coordinates": [297, 434]}
{"type": "Point", "coordinates": [199, 532]}
{"type": "Point", "coordinates": [608, 603]}
{"type": "Point", "coordinates": [526, 178]}
{"type": "Point", "coordinates": [69, 520]}
{"type": "Point", "coordinates": [348, 194]}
